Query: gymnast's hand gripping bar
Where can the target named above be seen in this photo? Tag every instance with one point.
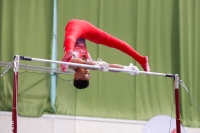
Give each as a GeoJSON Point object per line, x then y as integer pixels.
{"type": "Point", "coordinates": [91, 66]}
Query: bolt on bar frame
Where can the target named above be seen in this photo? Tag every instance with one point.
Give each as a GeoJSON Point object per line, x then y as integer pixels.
{"type": "Point", "coordinates": [17, 58]}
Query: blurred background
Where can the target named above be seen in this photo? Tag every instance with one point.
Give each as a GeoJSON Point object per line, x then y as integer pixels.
{"type": "Point", "coordinates": [166, 31]}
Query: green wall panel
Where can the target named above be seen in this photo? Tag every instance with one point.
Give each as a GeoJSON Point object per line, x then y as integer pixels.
{"type": "Point", "coordinates": [166, 31]}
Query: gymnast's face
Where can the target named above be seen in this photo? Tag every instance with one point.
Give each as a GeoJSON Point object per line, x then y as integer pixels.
{"type": "Point", "coordinates": [81, 74]}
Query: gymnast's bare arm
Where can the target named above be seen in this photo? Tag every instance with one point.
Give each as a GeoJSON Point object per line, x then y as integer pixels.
{"type": "Point", "coordinates": [80, 61]}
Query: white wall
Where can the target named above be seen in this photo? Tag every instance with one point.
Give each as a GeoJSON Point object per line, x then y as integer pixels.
{"type": "Point", "coordinates": [67, 124]}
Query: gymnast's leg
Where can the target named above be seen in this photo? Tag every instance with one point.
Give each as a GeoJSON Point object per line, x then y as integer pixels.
{"type": "Point", "coordinates": [101, 37]}
{"type": "Point", "coordinates": [83, 29]}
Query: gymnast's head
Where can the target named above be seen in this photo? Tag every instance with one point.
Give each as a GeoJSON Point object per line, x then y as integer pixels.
{"type": "Point", "coordinates": [81, 78]}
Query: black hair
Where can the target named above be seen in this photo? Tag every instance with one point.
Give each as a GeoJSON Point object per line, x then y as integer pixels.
{"type": "Point", "coordinates": [81, 84]}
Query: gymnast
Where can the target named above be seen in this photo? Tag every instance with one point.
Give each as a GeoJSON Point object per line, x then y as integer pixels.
{"type": "Point", "coordinates": [75, 51]}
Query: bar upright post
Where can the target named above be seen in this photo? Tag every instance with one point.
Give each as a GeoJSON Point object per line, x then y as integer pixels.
{"type": "Point", "coordinates": [176, 89]}
{"type": "Point", "coordinates": [15, 91]}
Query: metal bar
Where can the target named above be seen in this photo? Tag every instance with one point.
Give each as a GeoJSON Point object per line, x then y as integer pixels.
{"type": "Point", "coordinates": [39, 68]}
{"type": "Point", "coordinates": [175, 76]}
{"type": "Point", "coordinates": [92, 66]}
{"type": "Point", "coordinates": [15, 93]}
{"type": "Point", "coordinates": [54, 57]}
{"type": "Point", "coordinates": [176, 89]}
{"type": "Point", "coordinates": [14, 108]}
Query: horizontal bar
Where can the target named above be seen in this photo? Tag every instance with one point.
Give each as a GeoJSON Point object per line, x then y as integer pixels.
{"type": "Point", "coordinates": [38, 68]}
{"type": "Point", "coordinates": [157, 74]}
{"type": "Point", "coordinates": [92, 66]}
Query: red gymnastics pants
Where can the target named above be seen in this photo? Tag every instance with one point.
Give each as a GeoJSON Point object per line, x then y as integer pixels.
{"type": "Point", "coordinates": [82, 29]}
